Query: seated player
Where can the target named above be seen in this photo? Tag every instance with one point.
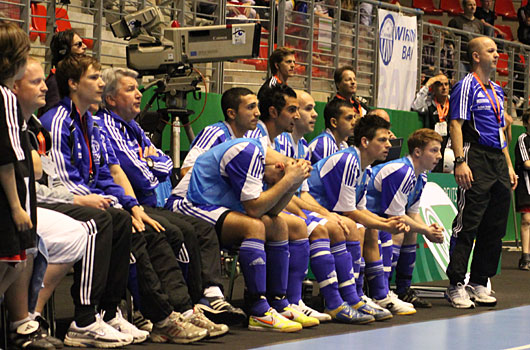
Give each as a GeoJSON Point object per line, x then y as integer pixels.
{"type": "Point", "coordinates": [403, 181]}
{"type": "Point", "coordinates": [338, 183]}
{"type": "Point", "coordinates": [230, 195]}
{"type": "Point", "coordinates": [333, 229]}
{"type": "Point", "coordinates": [339, 119]}
{"type": "Point", "coordinates": [146, 167]}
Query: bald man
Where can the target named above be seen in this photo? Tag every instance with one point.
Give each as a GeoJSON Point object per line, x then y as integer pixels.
{"type": "Point", "coordinates": [484, 174]}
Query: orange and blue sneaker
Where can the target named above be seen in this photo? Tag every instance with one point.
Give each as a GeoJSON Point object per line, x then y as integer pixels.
{"type": "Point", "coordinates": [346, 314]}
{"type": "Point", "coordinates": [272, 321]}
{"type": "Point", "coordinates": [292, 313]}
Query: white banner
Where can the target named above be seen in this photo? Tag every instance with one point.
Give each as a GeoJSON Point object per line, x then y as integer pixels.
{"type": "Point", "coordinates": [398, 60]}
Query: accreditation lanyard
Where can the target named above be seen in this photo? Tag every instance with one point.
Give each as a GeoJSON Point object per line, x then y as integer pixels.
{"type": "Point", "coordinates": [42, 143]}
{"type": "Point", "coordinates": [496, 107]}
{"type": "Point", "coordinates": [358, 109]}
{"type": "Point", "coordinates": [442, 112]}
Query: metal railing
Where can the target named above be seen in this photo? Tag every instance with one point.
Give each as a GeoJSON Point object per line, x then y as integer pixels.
{"type": "Point", "coordinates": [323, 37]}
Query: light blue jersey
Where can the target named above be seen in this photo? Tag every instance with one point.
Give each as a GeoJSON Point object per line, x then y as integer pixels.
{"type": "Point", "coordinates": [228, 174]}
{"type": "Point", "coordinates": [393, 188]}
{"type": "Point", "coordinates": [338, 183]}
{"type": "Point", "coordinates": [284, 143]}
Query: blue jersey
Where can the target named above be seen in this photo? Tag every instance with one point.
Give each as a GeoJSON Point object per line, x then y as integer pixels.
{"type": "Point", "coordinates": [393, 188]}
{"type": "Point", "coordinates": [324, 145]}
{"type": "Point", "coordinates": [338, 183]}
{"type": "Point", "coordinates": [228, 174]}
{"type": "Point", "coordinates": [470, 103]}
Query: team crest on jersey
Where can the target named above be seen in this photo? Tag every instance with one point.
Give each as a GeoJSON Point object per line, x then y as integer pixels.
{"type": "Point", "coordinates": [96, 154]}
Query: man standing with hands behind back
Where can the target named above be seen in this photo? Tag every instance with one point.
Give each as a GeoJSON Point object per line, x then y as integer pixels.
{"type": "Point", "coordinates": [484, 174]}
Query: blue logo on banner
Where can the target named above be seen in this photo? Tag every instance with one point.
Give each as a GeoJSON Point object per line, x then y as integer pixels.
{"type": "Point", "coordinates": [386, 39]}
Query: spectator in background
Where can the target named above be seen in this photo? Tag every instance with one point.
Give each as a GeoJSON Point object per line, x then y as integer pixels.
{"type": "Point", "coordinates": [432, 104]}
{"type": "Point", "coordinates": [487, 16]}
{"type": "Point", "coordinates": [447, 57]}
{"type": "Point", "coordinates": [62, 45]}
{"type": "Point", "coordinates": [523, 32]}
{"type": "Point", "coordinates": [469, 23]}
{"type": "Point", "coordinates": [522, 192]}
{"type": "Point", "coordinates": [281, 66]}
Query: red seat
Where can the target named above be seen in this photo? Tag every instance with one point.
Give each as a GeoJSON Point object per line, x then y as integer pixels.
{"type": "Point", "coordinates": [63, 23]}
{"type": "Point", "coordinates": [427, 6]}
{"type": "Point", "coordinates": [502, 64]}
{"type": "Point", "coordinates": [436, 21]}
{"type": "Point", "coordinates": [479, 3]}
{"type": "Point", "coordinates": [38, 24]}
{"type": "Point", "coordinates": [524, 2]}
{"type": "Point", "coordinates": [505, 9]}
{"type": "Point", "coordinates": [452, 7]}
{"type": "Point", "coordinates": [507, 30]}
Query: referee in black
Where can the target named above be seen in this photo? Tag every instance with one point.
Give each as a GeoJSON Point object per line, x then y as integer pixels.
{"type": "Point", "coordinates": [484, 174]}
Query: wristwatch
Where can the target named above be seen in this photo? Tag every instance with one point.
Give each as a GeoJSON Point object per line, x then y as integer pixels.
{"type": "Point", "coordinates": [150, 162]}
{"type": "Point", "coordinates": [459, 160]}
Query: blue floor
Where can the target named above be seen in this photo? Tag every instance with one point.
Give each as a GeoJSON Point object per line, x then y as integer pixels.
{"type": "Point", "coordinates": [505, 329]}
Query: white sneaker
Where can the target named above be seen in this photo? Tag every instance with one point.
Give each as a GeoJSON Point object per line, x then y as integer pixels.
{"type": "Point", "coordinates": [458, 297]}
{"type": "Point", "coordinates": [306, 310]}
{"type": "Point", "coordinates": [394, 296]}
{"type": "Point", "coordinates": [395, 305]}
{"type": "Point", "coordinates": [123, 326]}
{"type": "Point", "coordinates": [481, 295]}
{"type": "Point", "coordinates": [98, 334]}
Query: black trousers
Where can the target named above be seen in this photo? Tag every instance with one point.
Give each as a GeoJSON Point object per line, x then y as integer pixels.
{"type": "Point", "coordinates": [203, 248]}
{"type": "Point", "coordinates": [161, 285]}
{"type": "Point", "coordinates": [482, 215]}
{"type": "Point", "coordinates": [100, 278]}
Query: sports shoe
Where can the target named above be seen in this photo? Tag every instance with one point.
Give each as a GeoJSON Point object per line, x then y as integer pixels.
{"type": "Point", "coordinates": [198, 319]}
{"type": "Point", "coordinates": [272, 321]}
{"type": "Point", "coordinates": [395, 305]}
{"type": "Point", "coordinates": [218, 310]}
{"type": "Point", "coordinates": [306, 310]}
{"type": "Point", "coordinates": [379, 314]}
{"type": "Point", "coordinates": [394, 296]}
{"type": "Point", "coordinates": [141, 322]}
{"type": "Point", "coordinates": [28, 336]}
{"type": "Point", "coordinates": [524, 264]}
{"type": "Point", "coordinates": [175, 329]}
{"type": "Point", "coordinates": [98, 334]}
{"type": "Point", "coordinates": [346, 314]}
{"type": "Point", "coordinates": [44, 332]}
{"type": "Point", "coordinates": [292, 313]}
{"type": "Point", "coordinates": [480, 295]}
{"type": "Point", "coordinates": [382, 313]}
{"type": "Point", "coordinates": [411, 296]}
{"type": "Point", "coordinates": [123, 326]}
{"type": "Point", "coordinates": [458, 297]}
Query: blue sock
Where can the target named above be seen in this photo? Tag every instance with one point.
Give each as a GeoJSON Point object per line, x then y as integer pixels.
{"type": "Point", "coordinates": [298, 261]}
{"type": "Point", "coordinates": [354, 248]}
{"type": "Point", "coordinates": [405, 267]}
{"type": "Point", "coordinates": [344, 268]}
{"type": "Point", "coordinates": [252, 260]}
{"type": "Point", "coordinates": [396, 250]}
{"type": "Point", "coordinates": [386, 248]}
{"type": "Point", "coordinates": [277, 273]}
{"type": "Point", "coordinates": [323, 267]}
{"type": "Point", "coordinates": [359, 282]}
{"type": "Point", "coordinates": [376, 280]}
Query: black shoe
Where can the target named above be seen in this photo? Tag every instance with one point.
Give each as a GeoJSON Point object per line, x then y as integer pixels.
{"type": "Point", "coordinates": [28, 336]}
{"type": "Point", "coordinates": [411, 296]}
{"type": "Point", "coordinates": [218, 310]}
{"type": "Point", "coordinates": [44, 331]}
{"type": "Point", "coordinates": [524, 264]}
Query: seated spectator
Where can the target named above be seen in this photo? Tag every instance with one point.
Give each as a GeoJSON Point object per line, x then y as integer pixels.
{"type": "Point", "coordinates": [240, 11]}
{"type": "Point", "coordinates": [523, 32]}
{"type": "Point", "coordinates": [339, 119]}
{"type": "Point", "coordinates": [63, 44]}
{"type": "Point", "coordinates": [487, 16]}
{"type": "Point", "coordinates": [346, 85]}
{"type": "Point", "coordinates": [432, 104]}
{"type": "Point", "coordinates": [469, 23]}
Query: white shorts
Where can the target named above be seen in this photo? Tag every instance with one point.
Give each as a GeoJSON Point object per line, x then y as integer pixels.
{"type": "Point", "coordinates": [64, 237]}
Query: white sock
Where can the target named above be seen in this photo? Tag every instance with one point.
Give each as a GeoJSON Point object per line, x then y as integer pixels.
{"type": "Point", "coordinates": [213, 291]}
{"type": "Point", "coordinates": [14, 325]}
